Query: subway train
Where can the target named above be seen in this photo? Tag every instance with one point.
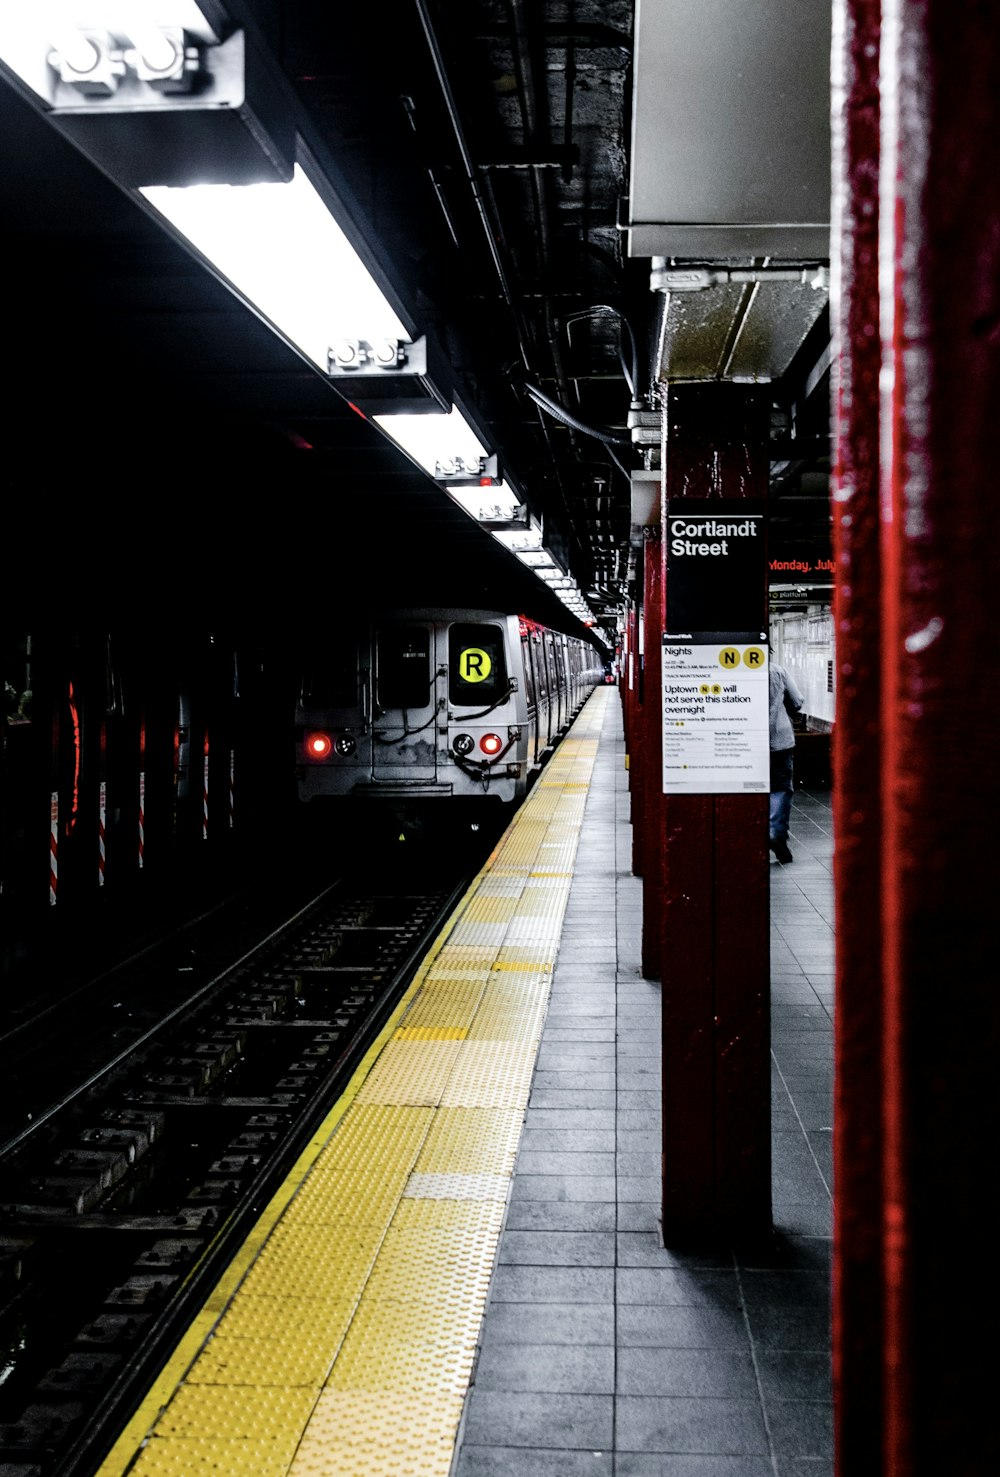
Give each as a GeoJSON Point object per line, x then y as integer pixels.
{"type": "Point", "coordinates": [454, 705]}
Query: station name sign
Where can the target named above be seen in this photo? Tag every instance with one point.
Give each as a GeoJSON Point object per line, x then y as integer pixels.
{"type": "Point", "coordinates": [688, 535]}
{"type": "Point", "coordinates": [716, 565]}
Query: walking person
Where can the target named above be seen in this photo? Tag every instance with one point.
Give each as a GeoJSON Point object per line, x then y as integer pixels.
{"type": "Point", "coordinates": [785, 700]}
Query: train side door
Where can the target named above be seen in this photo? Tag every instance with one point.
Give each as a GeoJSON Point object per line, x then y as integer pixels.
{"type": "Point", "coordinates": [406, 697]}
{"type": "Point", "coordinates": [548, 707]}
{"type": "Point", "coordinates": [559, 684]}
{"type": "Point", "coordinates": [531, 692]}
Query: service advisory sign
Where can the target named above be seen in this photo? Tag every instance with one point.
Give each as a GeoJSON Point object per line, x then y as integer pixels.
{"type": "Point", "coordinates": [715, 716]}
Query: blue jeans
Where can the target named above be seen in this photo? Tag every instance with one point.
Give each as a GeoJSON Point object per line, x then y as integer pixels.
{"type": "Point", "coordinates": [782, 787]}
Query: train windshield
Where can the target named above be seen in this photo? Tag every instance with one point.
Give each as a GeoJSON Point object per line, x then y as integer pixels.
{"type": "Point", "coordinates": [404, 667]}
{"type": "Point", "coordinates": [331, 680]}
{"type": "Point", "coordinates": [476, 664]}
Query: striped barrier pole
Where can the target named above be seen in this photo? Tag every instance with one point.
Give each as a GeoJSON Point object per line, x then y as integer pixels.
{"type": "Point", "coordinates": [102, 810]}
{"type": "Point", "coordinates": [54, 850]}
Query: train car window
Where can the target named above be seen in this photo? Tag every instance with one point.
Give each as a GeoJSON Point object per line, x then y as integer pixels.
{"type": "Point", "coordinates": [403, 667]}
{"type": "Point", "coordinates": [529, 670]}
{"type": "Point", "coordinates": [330, 687]}
{"type": "Point", "coordinates": [541, 671]}
{"type": "Point", "coordinates": [331, 680]}
{"type": "Point", "coordinates": [477, 666]}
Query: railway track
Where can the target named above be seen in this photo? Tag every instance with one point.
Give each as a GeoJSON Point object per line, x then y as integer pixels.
{"type": "Point", "coordinates": [158, 1112]}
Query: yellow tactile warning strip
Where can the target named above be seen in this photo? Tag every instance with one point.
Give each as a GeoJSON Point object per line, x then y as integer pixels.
{"type": "Point", "coordinates": [341, 1341]}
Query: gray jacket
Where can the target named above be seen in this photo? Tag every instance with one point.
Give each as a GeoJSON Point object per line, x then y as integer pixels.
{"type": "Point", "coordinates": [780, 682]}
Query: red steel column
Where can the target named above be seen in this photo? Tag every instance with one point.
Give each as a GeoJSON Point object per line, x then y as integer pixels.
{"type": "Point", "coordinates": [857, 1269]}
{"type": "Point", "coordinates": [637, 765]}
{"type": "Point", "coordinates": [940, 256]}
{"type": "Point", "coordinates": [630, 690]}
{"type": "Point", "coordinates": [650, 818]}
{"type": "Point", "coordinates": [714, 949]}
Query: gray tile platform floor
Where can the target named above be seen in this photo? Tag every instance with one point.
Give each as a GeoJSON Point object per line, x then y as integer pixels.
{"type": "Point", "coordinates": [601, 1352]}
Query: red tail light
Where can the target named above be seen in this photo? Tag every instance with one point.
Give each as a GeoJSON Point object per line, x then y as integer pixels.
{"type": "Point", "coordinates": [491, 743]}
{"type": "Point", "coordinates": [318, 745]}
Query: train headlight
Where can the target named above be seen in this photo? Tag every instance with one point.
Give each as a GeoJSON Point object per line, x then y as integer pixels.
{"type": "Point", "coordinates": [318, 745]}
{"type": "Point", "coordinates": [345, 745]}
{"type": "Point", "coordinates": [463, 743]}
{"type": "Point", "coordinates": [491, 743]}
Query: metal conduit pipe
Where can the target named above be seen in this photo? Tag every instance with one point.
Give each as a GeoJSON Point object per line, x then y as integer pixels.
{"type": "Point", "coordinates": [609, 438]}
{"type": "Point", "coordinates": [665, 278]}
{"type": "Point", "coordinates": [569, 86]}
{"type": "Point", "coordinates": [472, 175]}
{"type": "Point", "coordinates": [536, 133]}
{"type": "Point", "coordinates": [473, 178]}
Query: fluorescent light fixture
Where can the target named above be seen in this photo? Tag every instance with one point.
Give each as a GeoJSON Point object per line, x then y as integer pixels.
{"type": "Point", "coordinates": [537, 559]}
{"type": "Point", "coordinates": [281, 249]}
{"type": "Point", "coordinates": [498, 503]}
{"type": "Point", "coordinates": [32, 30]}
{"type": "Point", "coordinates": [520, 540]}
{"type": "Point", "coordinates": [437, 443]}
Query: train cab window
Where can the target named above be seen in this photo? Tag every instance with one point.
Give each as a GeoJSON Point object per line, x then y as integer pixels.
{"type": "Point", "coordinates": [330, 687]}
{"type": "Point", "coordinates": [403, 667]}
{"type": "Point", "coordinates": [476, 664]}
{"type": "Point", "coordinates": [330, 680]}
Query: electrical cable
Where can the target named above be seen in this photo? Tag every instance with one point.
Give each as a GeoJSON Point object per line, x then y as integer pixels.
{"type": "Point", "coordinates": [511, 688]}
{"type": "Point", "coordinates": [600, 310]}
{"type": "Point", "coordinates": [406, 731]}
{"type": "Point", "coordinates": [610, 438]}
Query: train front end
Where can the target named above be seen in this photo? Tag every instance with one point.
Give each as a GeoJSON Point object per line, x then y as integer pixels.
{"type": "Point", "coordinates": [431, 708]}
